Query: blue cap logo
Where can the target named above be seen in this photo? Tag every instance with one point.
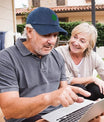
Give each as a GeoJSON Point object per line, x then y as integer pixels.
{"type": "Point", "coordinates": [54, 17]}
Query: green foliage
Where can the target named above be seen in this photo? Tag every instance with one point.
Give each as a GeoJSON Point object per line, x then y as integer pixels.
{"type": "Point", "coordinates": [68, 26]}
{"type": "Point", "coordinates": [20, 28]}
{"type": "Point", "coordinates": [100, 39]}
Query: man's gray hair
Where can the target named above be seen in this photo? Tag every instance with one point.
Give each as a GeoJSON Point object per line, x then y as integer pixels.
{"type": "Point", "coordinates": [24, 35]}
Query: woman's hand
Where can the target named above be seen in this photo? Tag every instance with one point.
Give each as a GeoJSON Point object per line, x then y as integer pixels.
{"type": "Point", "coordinates": [99, 118]}
{"type": "Point", "coordinates": [100, 83]}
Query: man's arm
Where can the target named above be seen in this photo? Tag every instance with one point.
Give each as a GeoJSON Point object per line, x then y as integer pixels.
{"type": "Point", "coordinates": [14, 106]}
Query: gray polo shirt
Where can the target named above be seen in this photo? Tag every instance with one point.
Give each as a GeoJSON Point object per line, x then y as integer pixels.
{"type": "Point", "coordinates": [22, 71]}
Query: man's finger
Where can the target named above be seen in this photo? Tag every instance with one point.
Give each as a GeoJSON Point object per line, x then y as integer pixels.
{"type": "Point", "coordinates": [80, 100]}
{"type": "Point", "coordinates": [41, 120]}
{"type": "Point", "coordinates": [80, 91]}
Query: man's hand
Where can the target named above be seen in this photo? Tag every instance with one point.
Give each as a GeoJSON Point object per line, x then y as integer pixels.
{"type": "Point", "coordinates": [66, 96]}
{"type": "Point", "coordinates": [41, 120]}
{"type": "Point", "coordinates": [78, 90]}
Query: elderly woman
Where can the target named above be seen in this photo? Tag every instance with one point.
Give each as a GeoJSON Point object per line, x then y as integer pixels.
{"type": "Point", "coordinates": [81, 60]}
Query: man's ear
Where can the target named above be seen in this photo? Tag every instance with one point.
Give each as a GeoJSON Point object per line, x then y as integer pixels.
{"type": "Point", "coordinates": [29, 32]}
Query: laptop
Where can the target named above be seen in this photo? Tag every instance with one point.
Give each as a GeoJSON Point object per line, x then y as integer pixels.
{"type": "Point", "coordinates": [77, 112]}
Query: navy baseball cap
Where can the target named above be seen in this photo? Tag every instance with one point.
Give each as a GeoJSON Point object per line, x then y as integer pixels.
{"type": "Point", "coordinates": [45, 21]}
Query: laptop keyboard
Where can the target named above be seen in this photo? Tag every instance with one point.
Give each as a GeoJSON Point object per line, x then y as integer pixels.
{"type": "Point", "coordinates": [74, 116]}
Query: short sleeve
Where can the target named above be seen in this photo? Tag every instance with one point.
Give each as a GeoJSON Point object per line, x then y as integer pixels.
{"type": "Point", "coordinates": [8, 79]}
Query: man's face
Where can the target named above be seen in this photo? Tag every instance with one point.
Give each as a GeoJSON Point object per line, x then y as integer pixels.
{"type": "Point", "coordinates": [42, 44]}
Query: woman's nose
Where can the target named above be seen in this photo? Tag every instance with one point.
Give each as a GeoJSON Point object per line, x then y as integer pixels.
{"type": "Point", "coordinates": [76, 42]}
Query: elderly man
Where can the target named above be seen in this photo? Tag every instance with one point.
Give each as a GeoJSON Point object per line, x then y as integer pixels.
{"type": "Point", "coordinates": [32, 74]}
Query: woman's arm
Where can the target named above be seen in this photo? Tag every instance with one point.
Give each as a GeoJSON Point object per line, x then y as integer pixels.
{"type": "Point", "coordinates": [82, 80]}
{"type": "Point", "coordinates": [88, 80]}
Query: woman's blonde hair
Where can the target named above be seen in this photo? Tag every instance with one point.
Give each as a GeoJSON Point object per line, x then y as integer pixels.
{"type": "Point", "coordinates": [92, 32]}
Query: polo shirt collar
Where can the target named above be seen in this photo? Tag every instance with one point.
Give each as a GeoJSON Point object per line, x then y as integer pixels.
{"type": "Point", "coordinates": [23, 50]}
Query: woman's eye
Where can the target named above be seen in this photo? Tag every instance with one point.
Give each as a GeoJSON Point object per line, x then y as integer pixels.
{"type": "Point", "coordinates": [83, 41]}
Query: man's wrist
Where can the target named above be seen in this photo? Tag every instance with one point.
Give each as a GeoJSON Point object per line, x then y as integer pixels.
{"type": "Point", "coordinates": [47, 99]}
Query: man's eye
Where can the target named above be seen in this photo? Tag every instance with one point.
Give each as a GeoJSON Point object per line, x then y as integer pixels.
{"type": "Point", "coordinates": [46, 35]}
{"type": "Point", "coordinates": [55, 35]}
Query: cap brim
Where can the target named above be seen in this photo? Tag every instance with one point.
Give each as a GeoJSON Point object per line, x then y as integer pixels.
{"type": "Point", "coordinates": [47, 29]}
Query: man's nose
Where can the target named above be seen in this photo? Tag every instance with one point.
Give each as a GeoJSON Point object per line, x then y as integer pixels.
{"type": "Point", "coordinates": [52, 39]}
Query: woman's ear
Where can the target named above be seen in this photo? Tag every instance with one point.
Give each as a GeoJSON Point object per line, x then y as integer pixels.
{"type": "Point", "coordinates": [29, 32]}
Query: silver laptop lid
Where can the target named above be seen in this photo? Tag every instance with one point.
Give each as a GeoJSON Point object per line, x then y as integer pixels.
{"type": "Point", "coordinates": [95, 110]}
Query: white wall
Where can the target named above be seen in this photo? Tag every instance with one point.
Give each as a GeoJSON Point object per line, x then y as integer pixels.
{"type": "Point", "coordinates": [19, 20]}
{"type": "Point", "coordinates": [6, 15]}
{"type": "Point", "coordinates": [82, 2]}
{"type": "Point", "coordinates": [76, 2]}
{"type": "Point", "coordinates": [99, 1]}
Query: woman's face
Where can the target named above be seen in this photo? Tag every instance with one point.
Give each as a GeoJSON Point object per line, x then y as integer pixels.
{"type": "Point", "coordinates": [79, 43]}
